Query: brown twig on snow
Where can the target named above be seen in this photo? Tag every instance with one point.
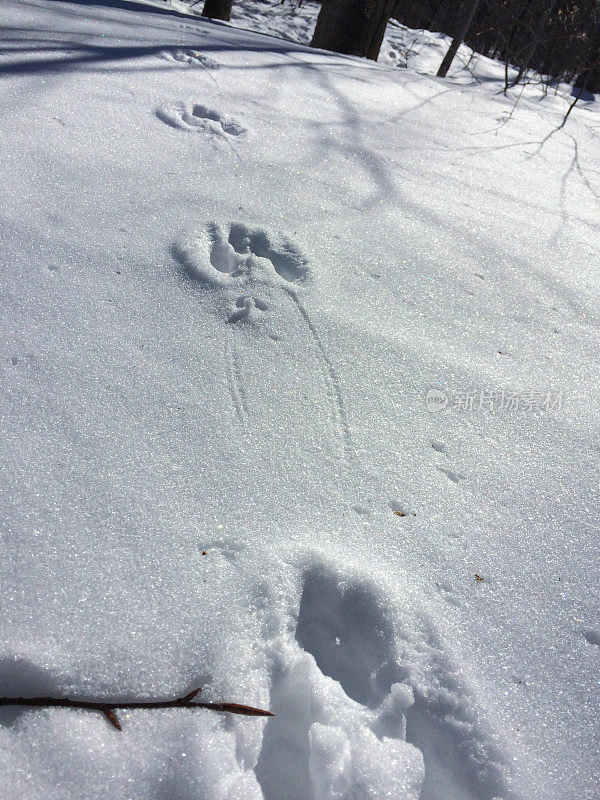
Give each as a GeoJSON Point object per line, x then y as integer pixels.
{"type": "Point", "coordinates": [108, 709]}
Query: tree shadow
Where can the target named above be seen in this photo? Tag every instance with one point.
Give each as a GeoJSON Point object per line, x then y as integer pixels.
{"type": "Point", "coordinates": [95, 56]}
{"type": "Point", "coordinates": [354, 147]}
{"type": "Point", "coordinates": [128, 5]}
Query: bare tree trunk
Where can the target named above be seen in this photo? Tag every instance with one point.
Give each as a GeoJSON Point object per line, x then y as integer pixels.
{"type": "Point", "coordinates": [463, 27]}
{"type": "Point", "coordinates": [353, 27]}
{"type": "Point", "coordinates": [588, 78]}
{"type": "Point", "coordinates": [218, 9]}
{"type": "Point", "coordinates": [535, 40]}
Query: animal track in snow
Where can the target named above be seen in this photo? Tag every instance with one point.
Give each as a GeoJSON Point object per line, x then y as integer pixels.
{"type": "Point", "coordinates": [592, 636]}
{"type": "Point", "coordinates": [191, 58]}
{"type": "Point", "coordinates": [244, 307]}
{"type": "Point", "coordinates": [448, 594]}
{"type": "Point", "coordinates": [345, 631]}
{"type": "Point", "coordinates": [362, 712]}
{"type": "Point", "coordinates": [236, 253]}
{"type": "Point", "coordinates": [455, 477]}
{"type": "Point", "coordinates": [25, 361]}
{"type": "Point", "coordinates": [235, 382]}
{"type": "Point", "coordinates": [198, 117]}
{"type": "Point", "coordinates": [226, 548]}
{"type": "Point", "coordinates": [400, 510]}
{"type": "Point", "coordinates": [248, 266]}
{"type": "Point", "coordinates": [362, 511]}
{"type": "Point", "coordinates": [324, 743]}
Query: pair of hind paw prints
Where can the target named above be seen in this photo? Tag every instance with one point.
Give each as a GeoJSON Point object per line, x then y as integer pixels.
{"type": "Point", "coordinates": [190, 58]}
{"type": "Point", "coordinates": [354, 721]}
{"type": "Point", "coordinates": [199, 117]}
{"type": "Point", "coordinates": [254, 255]}
{"type": "Point", "coordinates": [244, 265]}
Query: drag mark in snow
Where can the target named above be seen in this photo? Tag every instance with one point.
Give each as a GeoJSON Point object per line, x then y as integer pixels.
{"type": "Point", "coordinates": [289, 263]}
{"type": "Point", "coordinates": [331, 378]}
{"type": "Point", "coordinates": [239, 380]}
{"type": "Point", "coordinates": [235, 383]}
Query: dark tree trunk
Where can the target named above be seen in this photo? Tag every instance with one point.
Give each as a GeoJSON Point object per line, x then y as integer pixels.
{"type": "Point", "coordinates": [587, 82]}
{"type": "Point", "coordinates": [463, 27]}
{"type": "Point", "coordinates": [588, 79]}
{"type": "Point", "coordinates": [218, 9]}
{"type": "Point", "coordinates": [353, 27]}
{"type": "Point", "coordinates": [535, 41]}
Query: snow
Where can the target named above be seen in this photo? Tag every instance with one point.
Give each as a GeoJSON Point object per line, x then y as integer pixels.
{"type": "Point", "coordinates": [233, 267]}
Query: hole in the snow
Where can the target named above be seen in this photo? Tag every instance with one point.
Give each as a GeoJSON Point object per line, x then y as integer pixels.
{"type": "Point", "coordinates": [202, 112]}
{"type": "Point", "coordinates": [286, 258]}
{"type": "Point", "coordinates": [347, 633]}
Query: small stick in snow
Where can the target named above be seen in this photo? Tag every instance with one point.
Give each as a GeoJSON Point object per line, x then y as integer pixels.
{"type": "Point", "coordinates": [108, 709]}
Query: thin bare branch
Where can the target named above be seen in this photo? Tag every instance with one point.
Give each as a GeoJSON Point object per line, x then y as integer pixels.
{"type": "Point", "coordinates": [109, 709]}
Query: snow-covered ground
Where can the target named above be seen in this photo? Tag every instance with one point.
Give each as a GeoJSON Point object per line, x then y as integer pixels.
{"type": "Point", "coordinates": [233, 268]}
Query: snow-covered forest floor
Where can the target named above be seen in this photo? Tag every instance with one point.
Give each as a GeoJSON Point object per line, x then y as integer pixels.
{"type": "Point", "coordinates": [299, 402]}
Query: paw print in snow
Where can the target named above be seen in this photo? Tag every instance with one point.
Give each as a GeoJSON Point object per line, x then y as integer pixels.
{"type": "Point", "coordinates": [198, 117]}
{"type": "Point", "coordinates": [248, 263]}
{"type": "Point", "coordinates": [191, 58]}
